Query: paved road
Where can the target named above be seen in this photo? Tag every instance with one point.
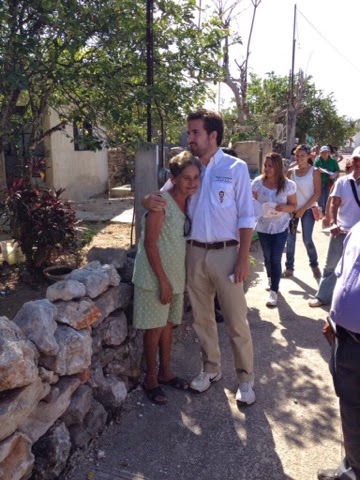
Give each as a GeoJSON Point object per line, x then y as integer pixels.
{"type": "Point", "coordinates": [292, 430]}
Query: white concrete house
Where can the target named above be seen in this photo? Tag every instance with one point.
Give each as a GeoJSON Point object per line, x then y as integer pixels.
{"type": "Point", "coordinates": [83, 173]}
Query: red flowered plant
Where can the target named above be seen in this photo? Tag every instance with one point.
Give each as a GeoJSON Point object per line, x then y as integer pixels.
{"type": "Point", "coordinates": [43, 224]}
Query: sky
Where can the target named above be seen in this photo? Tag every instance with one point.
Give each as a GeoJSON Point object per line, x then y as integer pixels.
{"type": "Point", "coordinates": [327, 45]}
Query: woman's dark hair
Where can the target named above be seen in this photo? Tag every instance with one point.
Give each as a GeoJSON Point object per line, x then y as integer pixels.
{"type": "Point", "coordinates": [184, 159]}
{"type": "Point", "coordinates": [277, 162]}
{"type": "Point", "coordinates": [303, 147]}
{"type": "Point", "coordinates": [213, 122]}
{"type": "Point", "coordinates": [306, 149]}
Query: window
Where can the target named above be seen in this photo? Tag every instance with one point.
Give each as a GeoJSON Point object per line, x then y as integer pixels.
{"type": "Point", "coordinates": [83, 133]}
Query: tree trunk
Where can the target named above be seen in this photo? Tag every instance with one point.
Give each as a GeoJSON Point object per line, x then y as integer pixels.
{"type": "Point", "coordinates": [2, 174]}
{"type": "Point", "coordinates": [290, 130]}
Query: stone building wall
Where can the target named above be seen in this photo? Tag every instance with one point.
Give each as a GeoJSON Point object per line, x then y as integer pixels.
{"type": "Point", "coordinates": [121, 166]}
{"type": "Point", "coordinates": [66, 363]}
{"type": "Point", "coordinates": [253, 153]}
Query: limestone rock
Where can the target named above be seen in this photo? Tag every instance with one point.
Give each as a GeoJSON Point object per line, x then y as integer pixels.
{"type": "Point", "coordinates": [37, 321]}
{"type": "Point", "coordinates": [46, 414]}
{"type": "Point", "coordinates": [126, 272]}
{"type": "Point", "coordinates": [48, 376]}
{"type": "Point", "coordinates": [18, 404]}
{"type": "Point", "coordinates": [114, 329]}
{"type": "Point", "coordinates": [65, 290]}
{"type": "Point", "coordinates": [108, 390]}
{"type": "Point", "coordinates": [52, 452]}
{"type": "Point", "coordinates": [18, 357]}
{"type": "Point", "coordinates": [113, 299]}
{"type": "Point", "coordinates": [108, 269]}
{"type": "Point", "coordinates": [16, 459]}
{"type": "Point", "coordinates": [105, 356]}
{"type": "Point", "coordinates": [75, 350]}
{"type": "Point", "coordinates": [110, 256]}
{"type": "Point", "coordinates": [79, 406]}
{"type": "Point", "coordinates": [78, 314]}
{"type": "Point", "coordinates": [94, 280]}
{"type": "Point", "coordinates": [111, 272]}
{"type": "Point", "coordinates": [93, 424]}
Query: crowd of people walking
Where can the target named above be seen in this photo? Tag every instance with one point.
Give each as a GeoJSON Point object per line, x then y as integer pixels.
{"type": "Point", "coordinates": [201, 225]}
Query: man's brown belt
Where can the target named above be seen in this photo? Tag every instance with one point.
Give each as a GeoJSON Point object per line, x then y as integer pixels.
{"type": "Point", "coordinates": [213, 246]}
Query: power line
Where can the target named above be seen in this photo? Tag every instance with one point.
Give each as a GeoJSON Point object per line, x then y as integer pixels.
{"type": "Point", "coordinates": [331, 45]}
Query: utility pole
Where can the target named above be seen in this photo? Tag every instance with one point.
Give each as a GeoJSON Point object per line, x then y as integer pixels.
{"type": "Point", "coordinates": [149, 64]}
{"type": "Point", "coordinates": [291, 111]}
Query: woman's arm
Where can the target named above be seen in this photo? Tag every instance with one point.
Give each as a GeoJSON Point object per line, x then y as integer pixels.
{"type": "Point", "coordinates": [288, 173]}
{"type": "Point", "coordinates": [288, 207]}
{"type": "Point", "coordinates": [154, 222]}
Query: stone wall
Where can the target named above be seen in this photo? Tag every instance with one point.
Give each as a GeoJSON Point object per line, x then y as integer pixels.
{"type": "Point", "coordinates": [66, 363]}
{"type": "Point", "coordinates": [253, 153]}
{"type": "Point", "coordinates": [121, 167]}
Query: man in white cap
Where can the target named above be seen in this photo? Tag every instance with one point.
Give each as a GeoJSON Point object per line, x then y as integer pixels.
{"type": "Point", "coordinates": [330, 169]}
{"type": "Point", "coordinates": [344, 214]}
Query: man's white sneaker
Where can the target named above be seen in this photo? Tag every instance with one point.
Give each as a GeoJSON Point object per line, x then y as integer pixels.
{"type": "Point", "coordinates": [245, 393]}
{"type": "Point", "coordinates": [272, 301]}
{"type": "Point", "coordinates": [268, 284]}
{"type": "Point", "coordinates": [315, 302]}
{"type": "Point", "coordinates": [204, 380]}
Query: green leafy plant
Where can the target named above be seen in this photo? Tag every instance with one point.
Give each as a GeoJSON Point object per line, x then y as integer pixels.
{"type": "Point", "coordinates": [42, 223]}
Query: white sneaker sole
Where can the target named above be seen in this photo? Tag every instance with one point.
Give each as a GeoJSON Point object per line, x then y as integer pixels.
{"type": "Point", "coordinates": [243, 402]}
{"type": "Point", "coordinates": [212, 380]}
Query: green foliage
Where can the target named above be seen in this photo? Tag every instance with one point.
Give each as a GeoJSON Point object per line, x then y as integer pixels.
{"type": "Point", "coordinates": [87, 60]}
{"type": "Point", "coordinates": [268, 101]}
{"type": "Point", "coordinates": [43, 224]}
{"type": "Point", "coordinates": [319, 119]}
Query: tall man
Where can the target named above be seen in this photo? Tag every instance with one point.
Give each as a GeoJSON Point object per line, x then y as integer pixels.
{"type": "Point", "coordinates": [344, 213]}
{"type": "Point", "coordinates": [345, 362]}
{"type": "Point", "coordinates": [223, 219]}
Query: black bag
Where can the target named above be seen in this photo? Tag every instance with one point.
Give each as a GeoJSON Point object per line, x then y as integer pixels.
{"type": "Point", "coordinates": [293, 225]}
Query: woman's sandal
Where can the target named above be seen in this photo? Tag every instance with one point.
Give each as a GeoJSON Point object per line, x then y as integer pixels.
{"type": "Point", "coordinates": [155, 395]}
{"type": "Point", "coordinates": [175, 382]}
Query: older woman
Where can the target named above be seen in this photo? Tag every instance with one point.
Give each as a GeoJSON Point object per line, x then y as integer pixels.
{"type": "Point", "coordinates": [277, 195]}
{"type": "Point", "coordinates": [159, 276]}
{"type": "Point", "coordinates": [308, 191]}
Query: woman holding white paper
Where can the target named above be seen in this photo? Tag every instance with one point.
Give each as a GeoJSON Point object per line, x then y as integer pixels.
{"type": "Point", "coordinates": [277, 194]}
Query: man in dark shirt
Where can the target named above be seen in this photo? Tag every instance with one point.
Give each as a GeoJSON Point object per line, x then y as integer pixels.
{"type": "Point", "coordinates": [345, 361]}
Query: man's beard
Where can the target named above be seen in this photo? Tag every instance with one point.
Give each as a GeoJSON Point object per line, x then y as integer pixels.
{"type": "Point", "coordinates": [196, 150]}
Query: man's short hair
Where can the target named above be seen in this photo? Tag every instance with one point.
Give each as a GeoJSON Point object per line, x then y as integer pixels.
{"type": "Point", "coordinates": [213, 122]}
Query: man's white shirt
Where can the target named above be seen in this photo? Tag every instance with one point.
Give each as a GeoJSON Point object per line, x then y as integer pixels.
{"type": "Point", "coordinates": [223, 203]}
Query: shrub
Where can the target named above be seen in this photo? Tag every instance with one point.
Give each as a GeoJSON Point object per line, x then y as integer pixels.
{"type": "Point", "coordinates": [44, 225]}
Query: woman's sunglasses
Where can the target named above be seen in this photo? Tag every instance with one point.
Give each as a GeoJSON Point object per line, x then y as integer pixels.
{"type": "Point", "coordinates": [187, 226]}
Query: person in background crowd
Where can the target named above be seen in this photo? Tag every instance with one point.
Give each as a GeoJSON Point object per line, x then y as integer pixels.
{"type": "Point", "coordinates": [343, 333]}
{"type": "Point", "coordinates": [222, 215]}
{"type": "Point", "coordinates": [308, 191]}
{"type": "Point", "coordinates": [329, 169]}
{"type": "Point", "coordinates": [335, 154]}
{"type": "Point", "coordinates": [315, 151]}
{"type": "Point", "coordinates": [159, 276]}
{"type": "Point", "coordinates": [277, 195]}
{"type": "Point", "coordinates": [348, 169]}
{"type": "Point", "coordinates": [344, 213]}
